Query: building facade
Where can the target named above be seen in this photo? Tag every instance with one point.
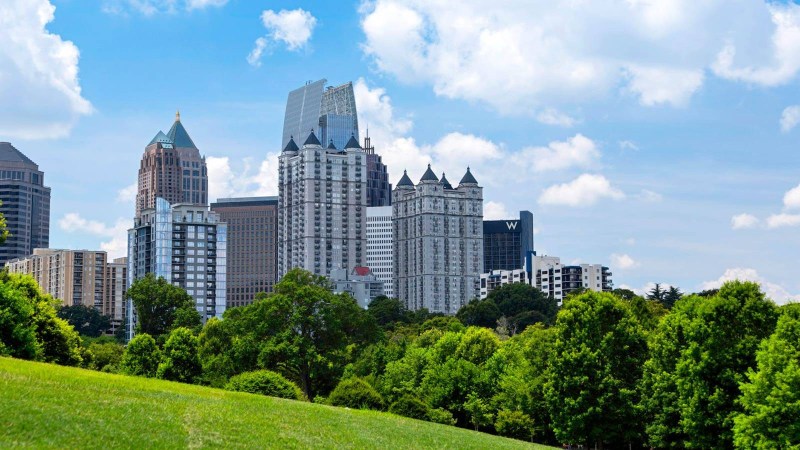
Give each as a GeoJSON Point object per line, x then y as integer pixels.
{"type": "Point", "coordinates": [25, 204]}
{"type": "Point", "coordinates": [506, 243]}
{"type": "Point", "coordinates": [116, 288]}
{"type": "Point", "coordinates": [379, 190]}
{"type": "Point", "coordinates": [185, 244]}
{"type": "Point", "coordinates": [252, 244]}
{"type": "Point", "coordinates": [496, 278]}
{"type": "Point", "coordinates": [557, 281]}
{"type": "Point", "coordinates": [360, 283]}
{"type": "Point", "coordinates": [438, 242]}
{"type": "Point", "coordinates": [330, 112]}
{"type": "Point", "coordinates": [379, 246]}
{"type": "Point", "coordinates": [322, 207]}
{"type": "Point", "coordinates": [173, 169]}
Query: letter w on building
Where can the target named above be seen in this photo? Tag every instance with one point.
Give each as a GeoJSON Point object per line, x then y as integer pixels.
{"type": "Point", "coordinates": [511, 225]}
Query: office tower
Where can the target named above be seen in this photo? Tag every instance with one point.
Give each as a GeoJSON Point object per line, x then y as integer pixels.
{"type": "Point", "coordinates": [322, 207]}
{"type": "Point", "coordinates": [331, 112]}
{"type": "Point", "coordinates": [187, 245]}
{"type": "Point", "coordinates": [360, 283]}
{"type": "Point", "coordinates": [557, 281]}
{"type": "Point", "coordinates": [379, 190]}
{"type": "Point", "coordinates": [438, 242]}
{"type": "Point", "coordinates": [26, 204]}
{"type": "Point", "coordinates": [115, 288]}
{"type": "Point", "coordinates": [173, 169]}
{"type": "Point", "coordinates": [252, 243]}
{"type": "Point", "coordinates": [506, 243]}
{"type": "Point", "coordinates": [379, 246]}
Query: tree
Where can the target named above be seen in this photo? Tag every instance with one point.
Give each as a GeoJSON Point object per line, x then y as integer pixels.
{"type": "Point", "coordinates": [3, 227]}
{"type": "Point", "coordinates": [479, 313]}
{"type": "Point", "coordinates": [141, 356]}
{"type": "Point", "coordinates": [161, 306]}
{"type": "Point", "coordinates": [657, 293]}
{"type": "Point", "coordinates": [179, 358]}
{"type": "Point", "coordinates": [387, 311]}
{"type": "Point", "coordinates": [265, 382]}
{"type": "Point", "coordinates": [86, 320]}
{"type": "Point", "coordinates": [479, 410]}
{"type": "Point", "coordinates": [770, 397]}
{"type": "Point", "coordinates": [518, 300]}
{"type": "Point", "coordinates": [672, 295]}
{"type": "Point", "coordinates": [17, 334]}
{"type": "Point", "coordinates": [515, 424]}
{"type": "Point", "coordinates": [357, 394]}
{"type": "Point", "coordinates": [105, 356]}
{"type": "Point", "coordinates": [595, 366]}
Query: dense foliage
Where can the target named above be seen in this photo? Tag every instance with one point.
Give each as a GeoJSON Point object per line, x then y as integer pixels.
{"type": "Point", "coordinates": [357, 394]}
{"type": "Point", "coordinates": [265, 382]}
{"type": "Point", "coordinates": [85, 320]}
{"type": "Point", "coordinates": [161, 306]}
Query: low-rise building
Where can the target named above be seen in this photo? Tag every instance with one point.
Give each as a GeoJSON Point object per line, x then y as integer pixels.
{"type": "Point", "coordinates": [360, 283]}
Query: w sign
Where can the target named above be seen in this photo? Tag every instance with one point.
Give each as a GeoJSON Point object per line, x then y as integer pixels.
{"type": "Point", "coordinates": [512, 225]}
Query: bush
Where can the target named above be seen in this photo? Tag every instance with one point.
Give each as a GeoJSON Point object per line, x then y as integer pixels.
{"type": "Point", "coordinates": [515, 424]}
{"type": "Point", "coordinates": [17, 335]}
{"type": "Point", "coordinates": [180, 362]}
{"type": "Point", "coordinates": [443, 416]}
{"type": "Point", "coordinates": [265, 382]}
{"type": "Point", "coordinates": [141, 356]}
{"type": "Point", "coordinates": [357, 394]}
{"type": "Point", "coordinates": [105, 356]}
{"type": "Point", "coordinates": [410, 406]}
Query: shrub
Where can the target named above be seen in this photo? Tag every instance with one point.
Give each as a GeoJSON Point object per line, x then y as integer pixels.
{"type": "Point", "coordinates": [265, 382]}
{"type": "Point", "coordinates": [105, 356]}
{"type": "Point", "coordinates": [410, 406]}
{"type": "Point", "coordinates": [356, 393]}
{"type": "Point", "coordinates": [141, 356]}
{"type": "Point", "coordinates": [515, 424]}
{"type": "Point", "coordinates": [443, 416]}
{"type": "Point", "coordinates": [180, 362]}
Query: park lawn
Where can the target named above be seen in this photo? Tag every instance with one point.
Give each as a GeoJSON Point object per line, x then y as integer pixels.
{"type": "Point", "coordinates": [45, 405]}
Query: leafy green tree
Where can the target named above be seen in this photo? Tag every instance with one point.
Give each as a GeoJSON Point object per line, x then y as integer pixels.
{"type": "Point", "coordinates": [770, 397]}
{"type": "Point", "coordinates": [141, 356]}
{"type": "Point", "coordinates": [515, 424]}
{"type": "Point", "coordinates": [161, 306]}
{"type": "Point", "coordinates": [479, 410]}
{"type": "Point", "coordinates": [105, 356]}
{"type": "Point", "coordinates": [86, 320]}
{"type": "Point", "coordinates": [657, 293]}
{"type": "Point", "coordinates": [387, 311]}
{"type": "Point", "coordinates": [215, 348]}
{"type": "Point", "coordinates": [672, 295]}
{"type": "Point", "coordinates": [3, 227]}
{"type": "Point", "coordinates": [479, 313]}
{"type": "Point", "coordinates": [595, 366]}
{"type": "Point", "coordinates": [410, 406]}
{"type": "Point", "coordinates": [477, 345]}
{"type": "Point", "coordinates": [179, 359]}
{"type": "Point", "coordinates": [357, 394]}
{"type": "Point", "coordinates": [444, 323]}
{"type": "Point", "coordinates": [517, 302]}
{"type": "Point", "coordinates": [17, 333]}
{"type": "Point", "coordinates": [265, 382]}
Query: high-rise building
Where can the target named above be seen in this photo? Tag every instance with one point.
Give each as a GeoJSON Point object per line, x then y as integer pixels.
{"type": "Point", "coordinates": [379, 246]}
{"type": "Point", "coordinates": [331, 112]}
{"type": "Point", "coordinates": [379, 190]}
{"type": "Point", "coordinates": [252, 243]}
{"type": "Point", "coordinates": [360, 283]}
{"type": "Point", "coordinates": [26, 204]}
{"type": "Point", "coordinates": [322, 207]}
{"type": "Point", "coordinates": [173, 169]}
{"type": "Point", "coordinates": [496, 278]}
{"type": "Point", "coordinates": [187, 245]}
{"type": "Point", "coordinates": [506, 243]}
{"type": "Point", "coordinates": [115, 288]}
{"type": "Point", "coordinates": [438, 242]}
{"type": "Point", "coordinates": [557, 281]}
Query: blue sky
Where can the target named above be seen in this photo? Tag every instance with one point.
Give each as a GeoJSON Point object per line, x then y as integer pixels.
{"type": "Point", "coordinates": [661, 138]}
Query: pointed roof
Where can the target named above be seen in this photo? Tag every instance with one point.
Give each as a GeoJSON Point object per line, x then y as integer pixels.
{"type": "Point", "coordinates": [312, 140]}
{"type": "Point", "coordinates": [405, 180]}
{"type": "Point", "coordinates": [468, 178]}
{"type": "Point", "coordinates": [352, 143]}
{"type": "Point", "coordinates": [445, 184]}
{"type": "Point", "coordinates": [160, 137]}
{"type": "Point", "coordinates": [9, 153]}
{"type": "Point", "coordinates": [429, 175]}
{"type": "Point", "coordinates": [178, 134]}
{"type": "Point", "coordinates": [331, 145]}
{"type": "Point", "coordinates": [291, 146]}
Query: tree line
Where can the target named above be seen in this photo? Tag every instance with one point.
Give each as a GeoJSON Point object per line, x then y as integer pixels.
{"type": "Point", "coordinates": [718, 369]}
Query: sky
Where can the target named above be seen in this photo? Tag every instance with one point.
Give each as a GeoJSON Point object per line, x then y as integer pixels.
{"type": "Point", "coordinates": [658, 137]}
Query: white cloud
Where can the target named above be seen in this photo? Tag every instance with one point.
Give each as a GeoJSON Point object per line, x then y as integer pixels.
{"type": "Point", "coordinates": [39, 87]}
{"type": "Point", "coordinates": [551, 116]}
{"type": "Point", "coordinates": [649, 196]}
{"type": "Point", "coordinates": [495, 211]}
{"type": "Point", "coordinates": [225, 181]}
{"type": "Point", "coordinates": [254, 57]}
{"type": "Point", "coordinates": [742, 221]}
{"type": "Point", "coordinates": [790, 118]}
{"type": "Point", "coordinates": [623, 261]}
{"type": "Point", "coordinates": [201, 4]}
{"type": "Point", "coordinates": [152, 7]}
{"type": "Point", "coordinates": [115, 235]}
{"type": "Point", "coordinates": [783, 220]}
{"type": "Point", "coordinates": [128, 193]}
{"type": "Point", "coordinates": [628, 145]}
{"type": "Point", "coordinates": [791, 199]}
{"type": "Point", "coordinates": [293, 28]}
{"type": "Point", "coordinates": [774, 291]}
{"type": "Point", "coordinates": [577, 151]}
{"type": "Point", "coordinates": [658, 50]}
{"type": "Point", "coordinates": [585, 190]}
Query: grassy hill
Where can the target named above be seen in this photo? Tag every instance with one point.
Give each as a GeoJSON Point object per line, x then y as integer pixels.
{"type": "Point", "coordinates": [44, 405]}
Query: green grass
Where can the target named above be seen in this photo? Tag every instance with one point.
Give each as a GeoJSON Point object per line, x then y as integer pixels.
{"type": "Point", "coordinates": [44, 405]}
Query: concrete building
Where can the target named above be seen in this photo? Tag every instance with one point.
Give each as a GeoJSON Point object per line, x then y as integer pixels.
{"type": "Point", "coordinates": [252, 244]}
{"type": "Point", "coordinates": [557, 281]}
{"type": "Point", "coordinates": [187, 245]}
{"type": "Point", "coordinates": [173, 169]}
{"type": "Point", "coordinates": [379, 246]}
{"type": "Point", "coordinates": [496, 278]}
{"type": "Point", "coordinates": [506, 243]}
{"type": "Point", "coordinates": [330, 111]}
{"type": "Point", "coordinates": [322, 207]}
{"type": "Point", "coordinates": [115, 289]}
{"type": "Point", "coordinates": [26, 204]}
{"type": "Point", "coordinates": [360, 283]}
{"type": "Point", "coordinates": [438, 242]}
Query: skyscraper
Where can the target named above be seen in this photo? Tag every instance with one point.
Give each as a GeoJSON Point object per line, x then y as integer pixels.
{"type": "Point", "coordinates": [252, 241]}
{"type": "Point", "coordinates": [506, 243]}
{"type": "Point", "coordinates": [379, 246]}
{"type": "Point", "coordinates": [379, 190]}
{"type": "Point", "coordinates": [173, 169]}
{"type": "Point", "coordinates": [26, 204]}
{"type": "Point", "coordinates": [322, 206]}
{"type": "Point", "coordinates": [438, 242]}
{"type": "Point", "coordinates": [330, 112]}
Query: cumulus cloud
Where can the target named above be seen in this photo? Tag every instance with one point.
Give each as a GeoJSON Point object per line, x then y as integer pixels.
{"type": "Point", "coordinates": [744, 220]}
{"type": "Point", "coordinates": [114, 237]}
{"type": "Point", "coordinates": [39, 87]}
{"type": "Point", "coordinates": [791, 199]}
{"type": "Point", "coordinates": [551, 116]}
{"type": "Point", "coordinates": [201, 4]}
{"type": "Point", "coordinates": [774, 291]}
{"type": "Point", "coordinates": [585, 190]}
{"type": "Point", "coordinates": [153, 7]}
{"type": "Point", "coordinates": [659, 51]}
{"type": "Point", "coordinates": [623, 261]}
{"type": "Point", "coordinates": [246, 180]}
{"type": "Point", "coordinates": [790, 118]}
{"type": "Point", "coordinates": [783, 220]}
{"type": "Point", "coordinates": [495, 211]}
{"type": "Point", "coordinates": [292, 28]}
{"type": "Point", "coordinates": [577, 151]}
{"type": "Point", "coordinates": [127, 194]}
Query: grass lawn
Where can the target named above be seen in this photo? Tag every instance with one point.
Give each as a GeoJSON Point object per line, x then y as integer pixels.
{"type": "Point", "coordinates": [44, 405]}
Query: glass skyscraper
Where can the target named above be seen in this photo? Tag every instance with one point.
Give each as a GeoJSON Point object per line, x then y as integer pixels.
{"type": "Point", "coordinates": [330, 112]}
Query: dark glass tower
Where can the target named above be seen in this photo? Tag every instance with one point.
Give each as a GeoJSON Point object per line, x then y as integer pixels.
{"type": "Point", "coordinates": [379, 190]}
{"type": "Point", "coordinates": [26, 204]}
{"type": "Point", "coordinates": [329, 111]}
{"type": "Point", "coordinates": [506, 243]}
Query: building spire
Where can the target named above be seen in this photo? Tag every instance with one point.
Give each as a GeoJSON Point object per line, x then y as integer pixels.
{"type": "Point", "coordinates": [177, 115]}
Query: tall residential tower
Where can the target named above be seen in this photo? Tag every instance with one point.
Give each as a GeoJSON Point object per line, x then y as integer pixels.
{"type": "Point", "coordinates": [331, 112]}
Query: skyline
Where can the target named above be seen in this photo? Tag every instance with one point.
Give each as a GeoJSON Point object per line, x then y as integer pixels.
{"type": "Point", "coordinates": [678, 171]}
